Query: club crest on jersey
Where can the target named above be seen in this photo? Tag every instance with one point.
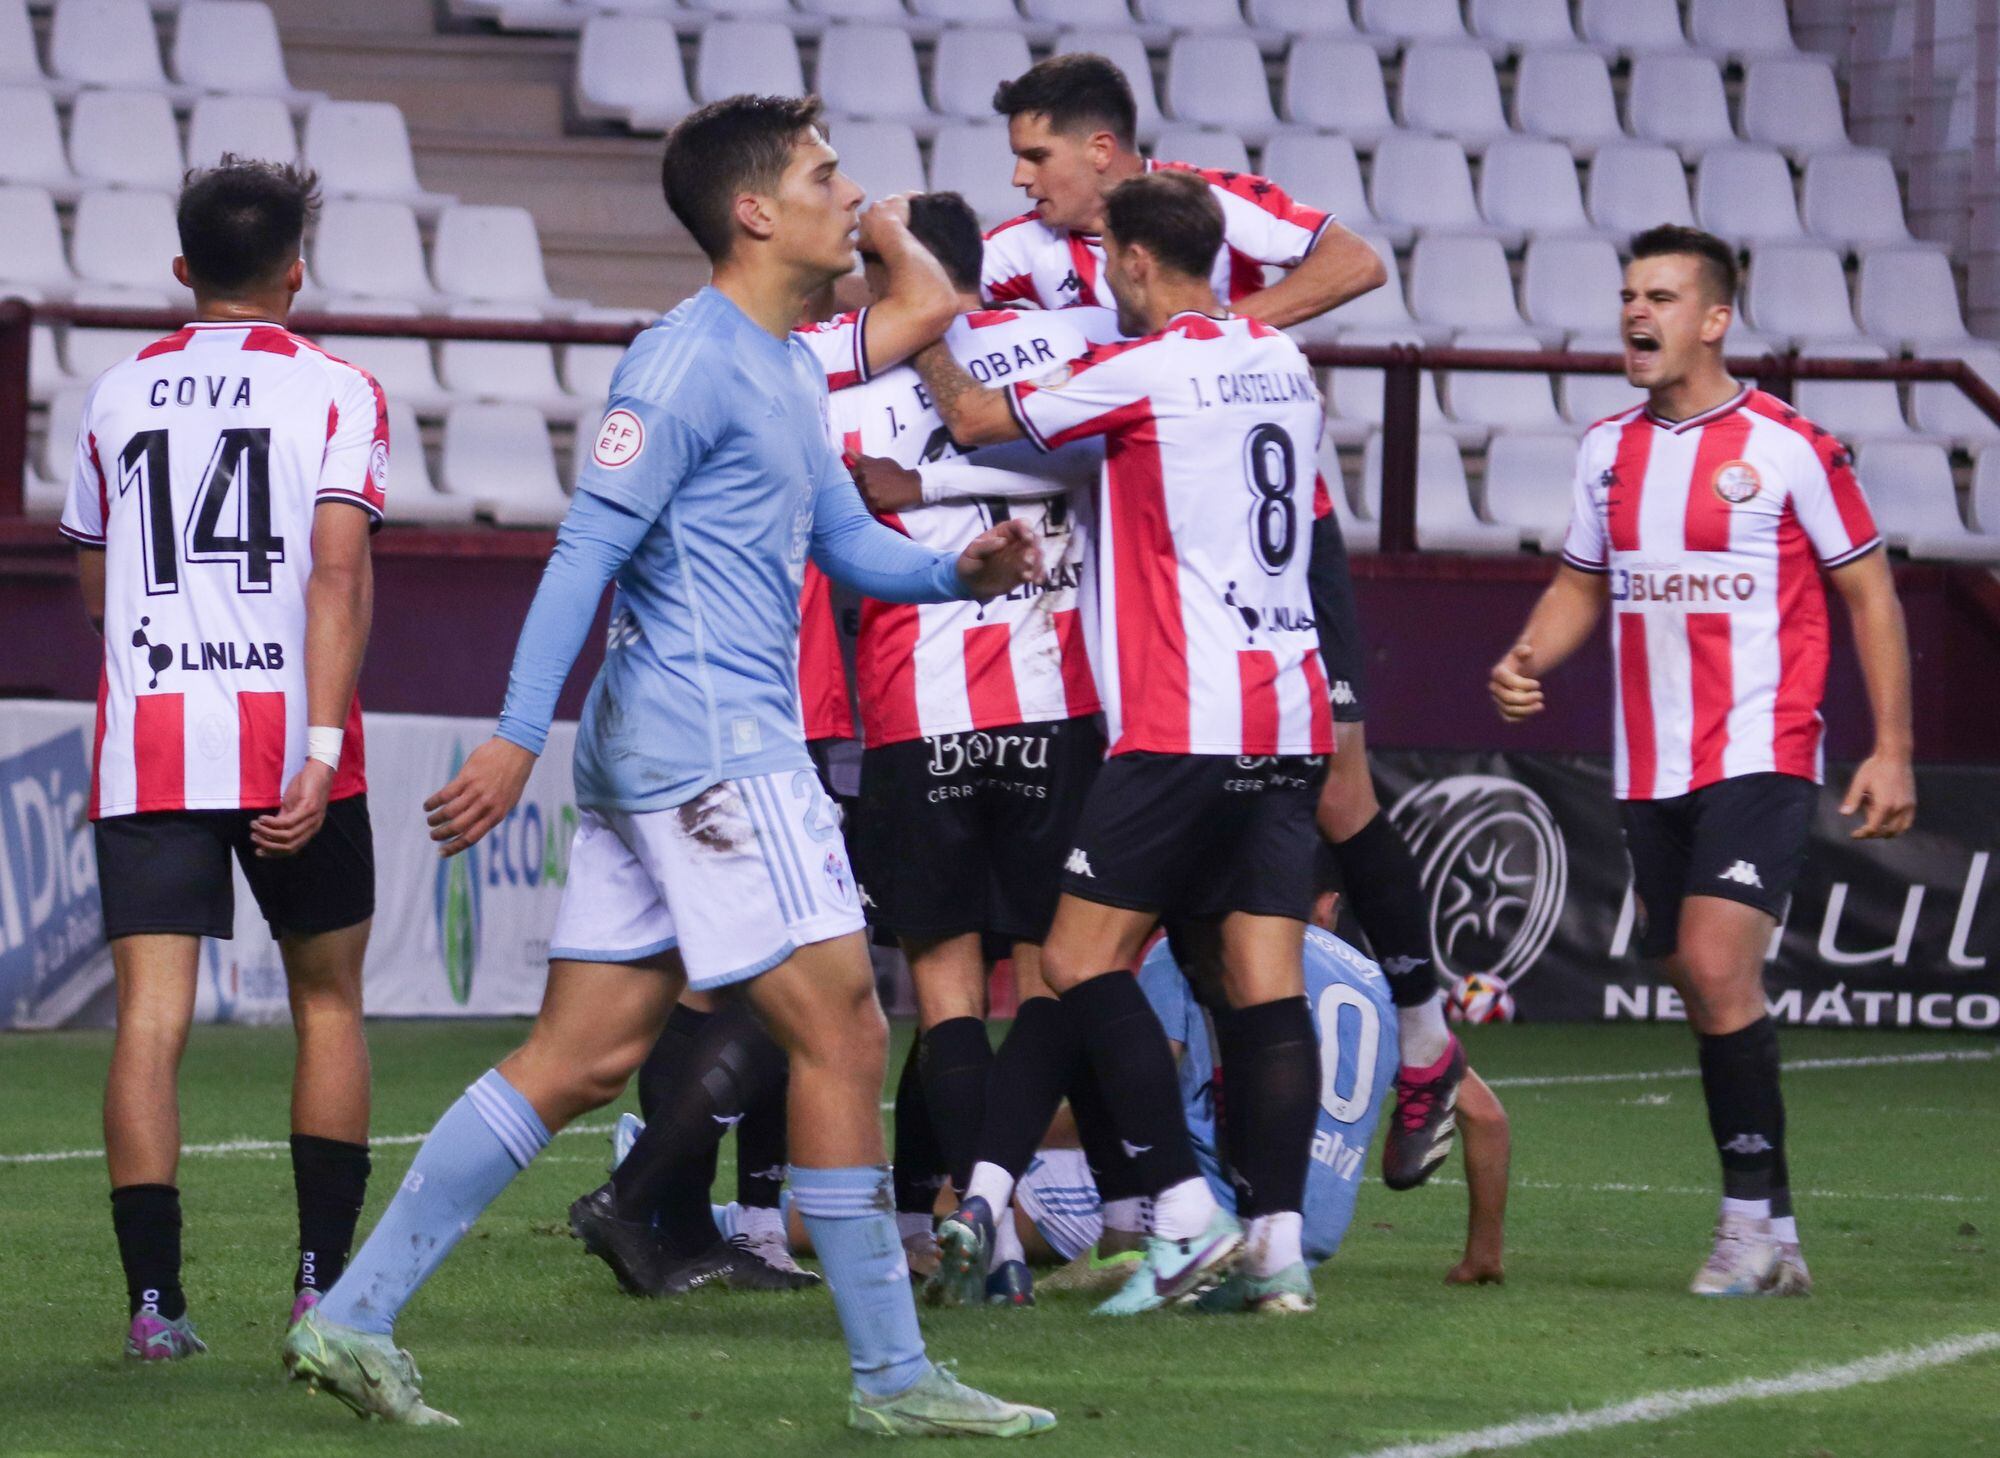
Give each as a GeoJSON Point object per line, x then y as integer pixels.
{"type": "Point", "coordinates": [1736, 482]}
{"type": "Point", "coordinates": [619, 440]}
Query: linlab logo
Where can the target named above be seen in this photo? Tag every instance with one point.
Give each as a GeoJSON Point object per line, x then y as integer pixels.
{"type": "Point", "coordinates": [455, 901]}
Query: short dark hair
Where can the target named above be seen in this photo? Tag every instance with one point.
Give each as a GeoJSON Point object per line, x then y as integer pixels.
{"type": "Point", "coordinates": [1717, 257]}
{"type": "Point", "coordinates": [1173, 214]}
{"type": "Point", "coordinates": [242, 222]}
{"type": "Point", "coordinates": [727, 146]}
{"type": "Point", "coordinates": [1075, 91]}
{"type": "Point", "coordinates": [945, 223]}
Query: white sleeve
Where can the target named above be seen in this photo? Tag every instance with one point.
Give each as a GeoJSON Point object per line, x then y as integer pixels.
{"type": "Point", "coordinates": [1013, 471]}
{"type": "Point", "coordinates": [1584, 544]}
{"type": "Point", "coordinates": [355, 467]}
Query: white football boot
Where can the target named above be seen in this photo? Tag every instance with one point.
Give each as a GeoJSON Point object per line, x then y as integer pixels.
{"type": "Point", "coordinates": [1744, 1261]}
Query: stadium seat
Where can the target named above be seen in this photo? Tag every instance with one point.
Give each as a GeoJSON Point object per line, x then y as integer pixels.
{"type": "Point", "coordinates": [1529, 185]}
{"type": "Point", "coordinates": [1679, 100]}
{"type": "Point", "coordinates": [232, 46]}
{"type": "Point", "coordinates": [1852, 199]}
{"type": "Point", "coordinates": [1336, 86]}
{"type": "Point", "coordinates": [523, 373]}
{"type": "Point", "coordinates": [34, 153]}
{"type": "Point", "coordinates": [1566, 94]}
{"type": "Point", "coordinates": [246, 126]}
{"type": "Point", "coordinates": [747, 55]}
{"type": "Point", "coordinates": [1854, 410]}
{"type": "Point", "coordinates": [1985, 501]}
{"type": "Point", "coordinates": [969, 64]}
{"type": "Point", "coordinates": [974, 160]}
{"type": "Point", "coordinates": [1412, 20]}
{"type": "Point", "coordinates": [126, 239]}
{"type": "Point", "coordinates": [372, 250]}
{"type": "Point", "coordinates": [1202, 147]}
{"type": "Point", "coordinates": [47, 377]}
{"type": "Point", "coordinates": [1463, 282]}
{"type": "Point", "coordinates": [1192, 15]}
{"type": "Point", "coordinates": [858, 10]}
{"type": "Point", "coordinates": [412, 495]}
{"type": "Point", "coordinates": [1124, 49]}
{"type": "Point", "coordinates": [1523, 25]}
{"type": "Point", "coordinates": [402, 366]}
{"type": "Point", "coordinates": [1323, 171]}
{"type": "Point", "coordinates": [1529, 485]}
{"type": "Point", "coordinates": [108, 43]}
{"type": "Point", "coordinates": [1587, 399]}
{"type": "Point", "coordinates": [498, 457]}
{"type": "Point", "coordinates": [1497, 400]}
{"type": "Point", "coordinates": [1446, 521]}
{"type": "Point", "coordinates": [748, 9]}
{"type": "Point", "coordinates": [58, 453]}
{"type": "Point", "coordinates": [19, 63]}
{"type": "Point", "coordinates": [1945, 410]}
{"type": "Point", "coordinates": [88, 353]}
{"type": "Point", "coordinates": [1451, 89]}
{"type": "Point", "coordinates": [1794, 105]}
{"type": "Point", "coordinates": [1634, 185]}
{"type": "Point", "coordinates": [628, 68]}
{"type": "Point", "coordinates": [1104, 14]}
{"type": "Point", "coordinates": [1218, 81]}
{"type": "Point", "coordinates": [1354, 403]}
{"type": "Point", "coordinates": [1357, 533]}
{"type": "Point", "coordinates": [1634, 27]}
{"type": "Point", "coordinates": [871, 71]}
{"type": "Point", "coordinates": [31, 245]}
{"type": "Point", "coordinates": [587, 368]}
{"type": "Point", "coordinates": [1744, 193]}
{"type": "Point", "coordinates": [1915, 500]}
{"type": "Point", "coordinates": [1383, 312]}
{"type": "Point", "coordinates": [362, 149]}
{"type": "Point", "coordinates": [1571, 284]}
{"type": "Point", "coordinates": [1797, 291]}
{"type": "Point", "coordinates": [1301, 17]}
{"type": "Point", "coordinates": [125, 139]}
{"type": "Point", "coordinates": [880, 155]}
{"type": "Point", "coordinates": [1742, 30]}
{"type": "Point", "coordinates": [971, 13]}
{"type": "Point", "coordinates": [1908, 295]}
{"type": "Point", "coordinates": [1424, 182]}
{"type": "Point", "coordinates": [492, 254]}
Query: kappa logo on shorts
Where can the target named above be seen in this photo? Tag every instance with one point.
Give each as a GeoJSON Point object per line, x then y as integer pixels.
{"type": "Point", "coordinates": [1743, 874]}
{"type": "Point", "coordinates": [1343, 693]}
{"type": "Point", "coordinates": [619, 440]}
{"type": "Point", "coordinates": [1078, 864]}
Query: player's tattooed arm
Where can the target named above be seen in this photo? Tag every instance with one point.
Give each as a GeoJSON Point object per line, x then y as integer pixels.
{"type": "Point", "coordinates": [1342, 266]}
{"type": "Point", "coordinates": [90, 577]}
{"type": "Point", "coordinates": [974, 414]}
{"type": "Point", "coordinates": [919, 303]}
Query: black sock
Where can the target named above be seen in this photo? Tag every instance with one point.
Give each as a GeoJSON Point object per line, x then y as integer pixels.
{"type": "Point", "coordinates": [954, 1065]}
{"type": "Point", "coordinates": [1031, 1071]}
{"type": "Point", "coordinates": [667, 1175]}
{"type": "Point", "coordinates": [330, 1177]}
{"type": "Point", "coordinates": [670, 1054]}
{"type": "Point", "coordinates": [1127, 1048]}
{"type": "Point", "coordinates": [1270, 1065]}
{"type": "Point", "coordinates": [918, 1166]}
{"type": "Point", "coordinates": [147, 1219]}
{"type": "Point", "coordinates": [1746, 1113]}
{"type": "Point", "coordinates": [762, 1137]}
{"type": "Point", "coordinates": [1097, 1131]}
{"type": "Point", "coordinates": [1387, 895]}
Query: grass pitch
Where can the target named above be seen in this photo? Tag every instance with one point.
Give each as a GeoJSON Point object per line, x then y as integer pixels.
{"type": "Point", "coordinates": [527, 1341]}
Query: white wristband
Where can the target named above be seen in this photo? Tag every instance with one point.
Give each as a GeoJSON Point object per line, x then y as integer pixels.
{"type": "Point", "coordinates": [323, 744]}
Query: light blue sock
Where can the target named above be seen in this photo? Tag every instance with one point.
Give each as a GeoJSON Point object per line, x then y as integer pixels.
{"type": "Point", "coordinates": [473, 1153]}
{"type": "Point", "coordinates": [850, 1213]}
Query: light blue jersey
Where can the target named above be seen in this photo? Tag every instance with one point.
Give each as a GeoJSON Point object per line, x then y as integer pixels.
{"type": "Point", "coordinates": [710, 479]}
{"type": "Point", "coordinates": [1356, 1024]}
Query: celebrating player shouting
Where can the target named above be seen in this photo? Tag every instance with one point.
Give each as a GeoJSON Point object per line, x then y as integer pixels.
{"type": "Point", "coordinates": [707, 851]}
{"type": "Point", "coordinates": [1705, 517]}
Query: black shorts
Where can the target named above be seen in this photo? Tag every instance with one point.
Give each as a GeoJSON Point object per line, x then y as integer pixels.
{"type": "Point", "coordinates": [1743, 839]}
{"type": "Point", "coordinates": [168, 871]}
{"type": "Point", "coordinates": [967, 832]}
{"type": "Point", "coordinates": [1199, 835]}
{"type": "Point", "coordinates": [1340, 647]}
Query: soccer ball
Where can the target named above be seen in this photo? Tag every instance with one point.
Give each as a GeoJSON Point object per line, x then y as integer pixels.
{"type": "Point", "coordinates": [1479, 998]}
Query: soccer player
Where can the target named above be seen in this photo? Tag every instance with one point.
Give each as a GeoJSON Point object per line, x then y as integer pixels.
{"type": "Point", "coordinates": [1219, 726]}
{"type": "Point", "coordinates": [1071, 121]}
{"type": "Point", "coordinates": [1706, 518]}
{"type": "Point", "coordinates": [227, 478]}
{"type": "Point", "coordinates": [707, 852]}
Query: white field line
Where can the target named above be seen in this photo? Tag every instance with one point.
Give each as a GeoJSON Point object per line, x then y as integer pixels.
{"type": "Point", "coordinates": [1617, 1187]}
{"type": "Point", "coordinates": [1660, 1406]}
{"type": "Point", "coordinates": [228, 1147]}
{"type": "Point", "coordinates": [1791, 1065]}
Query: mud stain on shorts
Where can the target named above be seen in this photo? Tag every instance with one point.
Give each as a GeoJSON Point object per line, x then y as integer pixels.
{"type": "Point", "coordinates": [710, 822]}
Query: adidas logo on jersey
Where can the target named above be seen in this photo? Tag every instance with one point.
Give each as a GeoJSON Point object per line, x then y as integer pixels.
{"type": "Point", "coordinates": [1078, 864]}
{"type": "Point", "coordinates": [1743, 874]}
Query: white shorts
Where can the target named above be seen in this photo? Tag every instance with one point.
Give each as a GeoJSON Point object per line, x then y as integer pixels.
{"type": "Point", "coordinates": [1059, 1196]}
{"type": "Point", "coordinates": [739, 878]}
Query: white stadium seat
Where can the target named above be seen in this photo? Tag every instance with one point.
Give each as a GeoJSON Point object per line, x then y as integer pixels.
{"type": "Point", "coordinates": [106, 43]}
{"type": "Point", "coordinates": [47, 377]}
{"type": "Point", "coordinates": [232, 46]}
{"type": "Point", "coordinates": [522, 373]}
{"type": "Point", "coordinates": [492, 254]}
{"type": "Point", "coordinates": [1945, 410]}
{"type": "Point", "coordinates": [1523, 24]}
{"type": "Point", "coordinates": [1125, 50]}
{"type": "Point", "coordinates": [1355, 404]}
{"type": "Point", "coordinates": [125, 139]}
{"type": "Point", "coordinates": [1529, 184]}
{"type": "Point", "coordinates": [402, 365]}
{"type": "Point", "coordinates": [862, 10]}
{"type": "Point", "coordinates": [58, 453]}
{"type": "Point", "coordinates": [34, 152]}
{"type": "Point", "coordinates": [871, 71]}
{"type": "Point", "coordinates": [1202, 147]}
{"type": "Point", "coordinates": [880, 155]}
{"type": "Point", "coordinates": [1679, 100]}
{"type": "Point", "coordinates": [1446, 521]}
{"type": "Point", "coordinates": [1412, 20]}
{"type": "Point", "coordinates": [1741, 29]}
{"type": "Point", "coordinates": [1852, 199]}
{"type": "Point", "coordinates": [1635, 27]}
{"type": "Point", "coordinates": [587, 368]}
{"type": "Point", "coordinates": [1794, 105]}
{"type": "Point", "coordinates": [747, 55]}
{"type": "Point", "coordinates": [371, 250]}
{"type": "Point", "coordinates": [1497, 400]}
{"type": "Point", "coordinates": [748, 9]}
{"type": "Point", "coordinates": [1744, 193]}
{"type": "Point", "coordinates": [1986, 494]}
{"type": "Point", "coordinates": [1854, 410]}
{"type": "Point", "coordinates": [257, 127]}
{"type": "Point", "coordinates": [499, 458]}
{"type": "Point", "coordinates": [1104, 14]}
{"type": "Point", "coordinates": [1192, 15]}
{"type": "Point", "coordinates": [1336, 86]}
{"type": "Point", "coordinates": [412, 496]}
{"type": "Point", "coordinates": [1587, 399]}
{"type": "Point", "coordinates": [1798, 291]}
{"type": "Point", "coordinates": [628, 68]}
{"type": "Point", "coordinates": [1301, 17]}
{"type": "Point", "coordinates": [1381, 311]}
{"type": "Point", "coordinates": [1529, 485]}
{"type": "Point", "coordinates": [1908, 295]}
{"type": "Point", "coordinates": [969, 64]}
{"type": "Point", "coordinates": [1571, 284]}
{"type": "Point", "coordinates": [31, 247]}
{"type": "Point", "coordinates": [1424, 182]}
{"type": "Point", "coordinates": [970, 12]}
{"type": "Point", "coordinates": [126, 239]}
{"type": "Point", "coordinates": [1634, 185]}
{"type": "Point", "coordinates": [1463, 282]}
{"type": "Point", "coordinates": [19, 65]}
{"type": "Point", "coordinates": [1218, 81]}
{"type": "Point", "coordinates": [1915, 500]}
{"type": "Point", "coordinates": [1451, 89]}
{"type": "Point", "coordinates": [1324, 172]}
{"type": "Point", "coordinates": [88, 353]}
{"type": "Point", "coordinates": [1566, 94]}
{"type": "Point", "coordinates": [974, 160]}
{"type": "Point", "coordinates": [1357, 533]}
{"type": "Point", "coordinates": [362, 149]}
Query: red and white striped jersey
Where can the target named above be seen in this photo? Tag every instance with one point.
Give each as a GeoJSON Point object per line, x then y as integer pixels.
{"type": "Point", "coordinates": [945, 668]}
{"type": "Point", "coordinates": [1713, 530]}
{"type": "Point", "coordinates": [840, 344]}
{"type": "Point", "coordinates": [824, 708]}
{"type": "Point", "coordinates": [1203, 625]}
{"type": "Point", "coordinates": [199, 464]}
{"type": "Point", "coordinates": [1028, 262]}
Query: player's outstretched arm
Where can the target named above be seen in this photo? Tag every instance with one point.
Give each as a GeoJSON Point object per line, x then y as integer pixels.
{"type": "Point", "coordinates": [1016, 471]}
{"type": "Point", "coordinates": [1487, 1140]}
{"type": "Point", "coordinates": [1560, 624]}
{"type": "Point", "coordinates": [340, 605]}
{"type": "Point", "coordinates": [857, 551]}
{"type": "Point", "coordinates": [974, 414]}
{"type": "Point", "coordinates": [920, 302]}
{"type": "Point", "coordinates": [1884, 788]}
{"type": "Point", "coordinates": [1341, 267]}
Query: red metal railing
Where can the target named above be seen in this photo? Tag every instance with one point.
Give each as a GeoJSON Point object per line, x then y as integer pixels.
{"type": "Point", "coordinates": [1402, 367]}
